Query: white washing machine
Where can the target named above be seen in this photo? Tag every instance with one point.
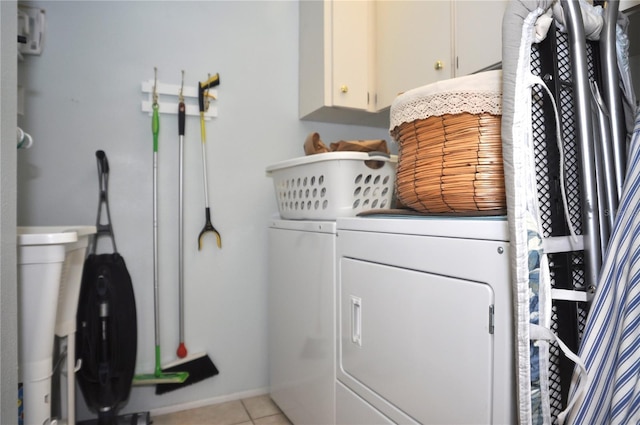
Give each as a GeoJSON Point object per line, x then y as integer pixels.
{"type": "Point", "coordinates": [302, 257]}
{"type": "Point", "coordinates": [424, 321]}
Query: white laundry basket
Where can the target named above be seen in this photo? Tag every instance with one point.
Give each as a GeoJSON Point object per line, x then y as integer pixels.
{"type": "Point", "coordinates": [335, 184]}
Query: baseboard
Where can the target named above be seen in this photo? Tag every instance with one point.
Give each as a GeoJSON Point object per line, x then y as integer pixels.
{"type": "Point", "coordinates": [208, 402]}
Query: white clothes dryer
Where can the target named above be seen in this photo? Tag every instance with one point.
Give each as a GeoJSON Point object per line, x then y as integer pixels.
{"type": "Point", "coordinates": [424, 321]}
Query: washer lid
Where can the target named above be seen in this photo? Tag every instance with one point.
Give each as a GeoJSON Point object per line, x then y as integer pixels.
{"type": "Point", "coordinates": [493, 228]}
{"type": "Point", "coordinates": [304, 225]}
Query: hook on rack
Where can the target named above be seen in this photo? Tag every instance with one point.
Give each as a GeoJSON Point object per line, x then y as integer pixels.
{"type": "Point", "coordinates": [155, 87]}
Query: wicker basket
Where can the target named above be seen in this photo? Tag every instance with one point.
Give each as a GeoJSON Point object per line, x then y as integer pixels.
{"type": "Point", "coordinates": [451, 162]}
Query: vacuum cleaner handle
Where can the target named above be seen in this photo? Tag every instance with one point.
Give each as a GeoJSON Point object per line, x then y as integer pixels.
{"type": "Point", "coordinates": [103, 229]}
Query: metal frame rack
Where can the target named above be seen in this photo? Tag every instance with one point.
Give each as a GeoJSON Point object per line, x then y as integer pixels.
{"type": "Point", "coordinates": [592, 157]}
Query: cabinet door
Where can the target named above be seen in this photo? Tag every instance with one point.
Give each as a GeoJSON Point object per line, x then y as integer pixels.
{"type": "Point", "coordinates": [352, 47]}
{"type": "Point", "coordinates": [411, 38]}
{"type": "Point", "coordinates": [477, 34]}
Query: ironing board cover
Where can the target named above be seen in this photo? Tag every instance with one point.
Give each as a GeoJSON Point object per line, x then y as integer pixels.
{"type": "Point", "coordinates": [527, 257]}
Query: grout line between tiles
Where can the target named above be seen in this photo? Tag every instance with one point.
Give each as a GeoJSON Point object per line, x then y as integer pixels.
{"type": "Point", "coordinates": [247, 411]}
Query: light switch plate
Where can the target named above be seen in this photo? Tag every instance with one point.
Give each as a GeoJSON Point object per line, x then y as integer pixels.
{"type": "Point", "coordinates": [31, 25]}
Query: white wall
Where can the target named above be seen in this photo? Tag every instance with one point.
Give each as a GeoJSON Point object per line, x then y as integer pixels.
{"type": "Point", "coordinates": [84, 93]}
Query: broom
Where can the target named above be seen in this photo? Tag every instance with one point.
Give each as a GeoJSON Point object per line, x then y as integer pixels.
{"type": "Point", "coordinates": [199, 366]}
{"type": "Point", "coordinates": [158, 376]}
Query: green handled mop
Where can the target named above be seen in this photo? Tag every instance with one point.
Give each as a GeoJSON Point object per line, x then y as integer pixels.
{"type": "Point", "coordinates": [199, 365]}
{"type": "Point", "coordinates": [159, 376]}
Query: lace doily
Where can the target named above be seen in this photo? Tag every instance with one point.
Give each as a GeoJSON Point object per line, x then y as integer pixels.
{"type": "Point", "coordinates": [475, 94]}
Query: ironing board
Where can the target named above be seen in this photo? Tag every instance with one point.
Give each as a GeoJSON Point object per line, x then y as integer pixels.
{"type": "Point", "coordinates": [560, 208]}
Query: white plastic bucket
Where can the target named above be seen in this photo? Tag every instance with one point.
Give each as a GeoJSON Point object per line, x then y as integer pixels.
{"type": "Point", "coordinates": [41, 254]}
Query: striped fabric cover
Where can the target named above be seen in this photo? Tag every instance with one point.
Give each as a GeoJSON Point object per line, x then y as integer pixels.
{"type": "Point", "coordinates": [611, 342]}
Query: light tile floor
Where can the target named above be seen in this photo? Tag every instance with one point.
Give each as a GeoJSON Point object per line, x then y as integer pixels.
{"type": "Point", "coordinates": [259, 410]}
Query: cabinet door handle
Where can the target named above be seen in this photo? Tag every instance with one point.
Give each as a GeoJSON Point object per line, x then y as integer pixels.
{"type": "Point", "coordinates": [344, 88]}
{"type": "Point", "coordinates": [438, 65]}
{"type": "Point", "coordinates": [356, 320]}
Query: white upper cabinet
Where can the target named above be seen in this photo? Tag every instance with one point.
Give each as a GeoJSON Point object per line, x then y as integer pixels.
{"type": "Point", "coordinates": [477, 28]}
{"type": "Point", "coordinates": [356, 56]}
{"type": "Point", "coordinates": [420, 42]}
{"type": "Point", "coordinates": [352, 46]}
{"type": "Point", "coordinates": [413, 46]}
{"type": "Point", "coordinates": [337, 80]}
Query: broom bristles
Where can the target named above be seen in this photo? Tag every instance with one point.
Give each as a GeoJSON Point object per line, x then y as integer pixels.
{"type": "Point", "coordinates": [199, 366]}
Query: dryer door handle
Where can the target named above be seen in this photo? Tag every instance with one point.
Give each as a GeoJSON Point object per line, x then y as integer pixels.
{"type": "Point", "coordinates": [356, 320]}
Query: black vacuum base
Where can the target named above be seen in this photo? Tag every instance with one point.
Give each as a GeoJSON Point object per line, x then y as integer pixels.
{"type": "Point", "coordinates": [142, 418]}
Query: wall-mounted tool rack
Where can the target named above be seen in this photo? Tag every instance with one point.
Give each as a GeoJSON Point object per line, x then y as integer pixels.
{"type": "Point", "coordinates": [190, 94]}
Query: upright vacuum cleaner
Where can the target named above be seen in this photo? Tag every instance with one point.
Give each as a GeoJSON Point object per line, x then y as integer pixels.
{"type": "Point", "coordinates": [106, 337]}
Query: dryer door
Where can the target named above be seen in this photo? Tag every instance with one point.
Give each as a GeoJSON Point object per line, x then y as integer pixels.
{"type": "Point", "coordinates": [422, 342]}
